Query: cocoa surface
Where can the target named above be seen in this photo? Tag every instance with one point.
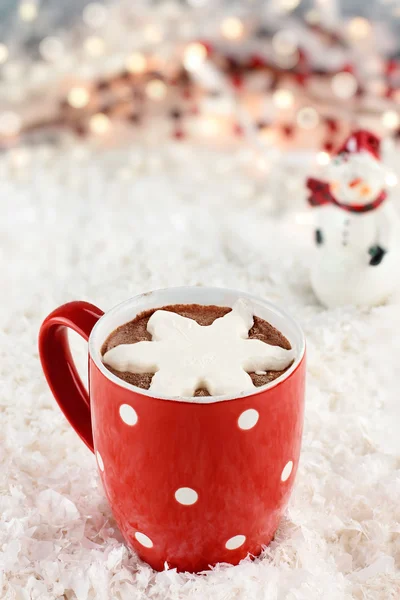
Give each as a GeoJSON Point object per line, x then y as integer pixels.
{"type": "Point", "coordinates": [135, 331]}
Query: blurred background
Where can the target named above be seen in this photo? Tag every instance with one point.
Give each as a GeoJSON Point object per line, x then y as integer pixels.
{"type": "Point", "coordinates": [271, 74]}
{"type": "Point", "coordinates": [260, 79]}
{"type": "Point", "coordinates": [147, 144]}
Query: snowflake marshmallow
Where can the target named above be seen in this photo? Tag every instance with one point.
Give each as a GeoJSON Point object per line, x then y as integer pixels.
{"type": "Point", "coordinates": [185, 356]}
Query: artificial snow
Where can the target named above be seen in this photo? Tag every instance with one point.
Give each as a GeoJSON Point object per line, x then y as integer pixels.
{"type": "Point", "coordinates": [106, 227]}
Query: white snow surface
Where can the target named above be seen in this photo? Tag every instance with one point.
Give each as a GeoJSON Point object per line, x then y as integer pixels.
{"type": "Point", "coordinates": [108, 226]}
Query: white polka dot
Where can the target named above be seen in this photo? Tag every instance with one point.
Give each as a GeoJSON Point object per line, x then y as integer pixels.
{"type": "Point", "coordinates": [287, 471]}
{"type": "Point", "coordinates": [128, 414]}
{"type": "Point", "coordinates": [235, 542]}
{"type": "Point", "coordinates": [248, 419]}
{"type": "Point", "coordinates": [186, 495]}
{"type": "Point", "coordinates": [100, 461]}
{"type": "Point", "coordinates": [143, 539]}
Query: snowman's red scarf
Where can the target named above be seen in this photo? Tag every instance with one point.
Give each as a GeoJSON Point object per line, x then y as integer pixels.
{"type": "Point", "coordinates": [321, 195]}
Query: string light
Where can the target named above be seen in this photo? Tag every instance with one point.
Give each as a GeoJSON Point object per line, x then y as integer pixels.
{"type": "Point", "coordinates": [94, 45]}
{"type": "Point", "coordinates": [344, 85]}
{"type": "Point", "coordinates": [283, 98]}
{"type": "Point", "coordinates": [3, 53]}
{"type": "Point", "coordinates": [232, 28]}
{"type": "Point", "coordinates": [307, 118]}
{"type": "Point", "coordinates": [390, 119]}
{"type": "Point", "coordinates": [153, 34]}
{"type": "Point", "coordinates": [156, 89]}
{"type": "Point", "coordinates": [28, 11]}
{"type": "Point", "coordinates": [323, 158]}
{"type": "Point", "coordinates": [359, 28]}
{"type": "Point", "coordinates": [194, 56]}
{"type": "Point", "coordinates": [10, 123]}
{"type": "Point", "coordinates": [94, 15]}
{"type": "Point", "coordinates": [78, 97]}
{"type": "Point", "coordinates": [51, 49]}
{"type": "Point", "coordinates": [99, 123]}
{"type": "Point", "coordinates": [136, 63]}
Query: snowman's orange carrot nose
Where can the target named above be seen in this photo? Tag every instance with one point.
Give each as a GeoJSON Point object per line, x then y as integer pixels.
{"type": "Point", "coordinates": [354, 182]}
{"type": "Point", "coordinates": [365, 190]}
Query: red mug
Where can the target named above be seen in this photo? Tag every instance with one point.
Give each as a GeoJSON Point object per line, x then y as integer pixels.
{"type": "Point", "coordinates": [190, 484]}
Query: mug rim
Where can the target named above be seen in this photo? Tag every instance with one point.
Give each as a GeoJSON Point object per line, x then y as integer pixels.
{"type": "Point", "coordinates": [95, 353]}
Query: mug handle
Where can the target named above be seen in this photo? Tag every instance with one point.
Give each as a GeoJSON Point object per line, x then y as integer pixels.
{"type": "Point", "coordinates": [59, 367]}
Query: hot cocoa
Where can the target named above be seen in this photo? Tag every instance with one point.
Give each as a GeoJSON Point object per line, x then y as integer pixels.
{"type": "Point", "coordinates": [154, 328]}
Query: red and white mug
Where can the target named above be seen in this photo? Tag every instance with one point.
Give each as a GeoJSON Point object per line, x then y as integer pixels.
{"type": "Point", "coordinates": [193, 483]}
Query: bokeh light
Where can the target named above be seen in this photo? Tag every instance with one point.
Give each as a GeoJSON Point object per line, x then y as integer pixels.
{"type": "Point", "coordinates": [194, 56]}
{"type": "Point", "coordinates": [284, 43]}
{"type": "Point", "coordinates": [78, 97]}
{"type": "Point", "coordinates": [156, 89]}
{"type": "Point", "coordinates": [323, 158]}
{"type": "Point", "coordinates": [153, 34]}
{"type": "Point", "coordinates": [94, 15]}
{"type": "Point", "coordinates": [359, 28]}
{"type": "Point", "coordinates": [94, 46]}
{"type": "Point", "coordinates": [136, 63]}
{"type": "Point", "coordinates": [51, 49]}
{"type": "Point", "coordinates": [283, 98]}
{"type": "Point", "coordinates": [289, 5]}
{"type": "Point", "coordinates": [28, 11]}
{"type": "Point", "coordinates": [344, 85]}
{"type": "Point", "coordinates": [391, 119]}
{"type": "Point", "coordinates": [3, 53]}
{"type": "Point", "coordinates": [232, 28]}
{"type": "Point", "coordinates": [99, 124]}
{"type": "Point", "coordinates": [307, 117]}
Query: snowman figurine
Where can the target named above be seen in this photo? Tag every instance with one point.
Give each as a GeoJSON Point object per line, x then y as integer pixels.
{"type": "Point", "coordinates": [357, 234]}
